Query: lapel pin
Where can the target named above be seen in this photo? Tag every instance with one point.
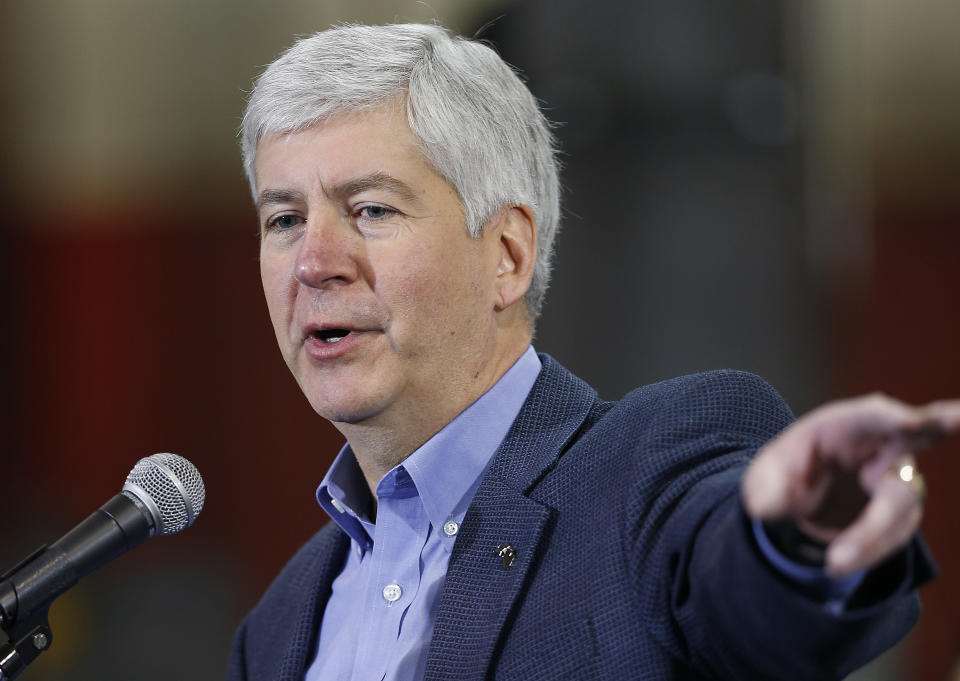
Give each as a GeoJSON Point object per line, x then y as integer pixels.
{"type": "Point", "coordinates": [507, 555]}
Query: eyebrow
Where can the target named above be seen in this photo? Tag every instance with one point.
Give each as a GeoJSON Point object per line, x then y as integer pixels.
{"type": "Point", "coordinates": [272, 197]}
{"type": "Point", "coordinates": [376, 180]}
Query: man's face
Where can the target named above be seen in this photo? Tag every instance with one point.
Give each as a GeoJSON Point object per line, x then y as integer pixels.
{"type": "Point", "coordinates": [381, 302]}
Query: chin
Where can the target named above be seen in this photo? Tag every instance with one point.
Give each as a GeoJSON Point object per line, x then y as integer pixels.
{"type": "Point", "coordinates": [350, 394]}
{"type": "Point", "coordinates": [343, 416]}
{"type": "Point", "coordinates": [342, 409]}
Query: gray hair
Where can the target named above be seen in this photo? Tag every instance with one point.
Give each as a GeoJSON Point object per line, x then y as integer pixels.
{"type": "Point", "coordinates": [474, 119]}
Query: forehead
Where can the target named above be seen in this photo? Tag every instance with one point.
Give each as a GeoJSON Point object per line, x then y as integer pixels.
{"type": "Point", "coordinates": [341, 147]}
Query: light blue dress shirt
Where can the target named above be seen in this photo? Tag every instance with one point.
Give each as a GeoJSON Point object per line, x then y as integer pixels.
{"type": "Point", "coordinates": [379, 619]}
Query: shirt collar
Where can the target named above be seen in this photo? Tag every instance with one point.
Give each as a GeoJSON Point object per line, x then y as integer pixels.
{"type": "Point", "coordinates": [447, 468]}
{"type": "Point", "coordinates": [343, 494]}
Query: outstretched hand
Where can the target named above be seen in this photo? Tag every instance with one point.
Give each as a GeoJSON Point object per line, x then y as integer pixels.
{"type": "Point", "coordinates": [846, 475]}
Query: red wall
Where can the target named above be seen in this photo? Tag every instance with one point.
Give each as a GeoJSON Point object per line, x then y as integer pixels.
{"type": "Point", "coordinates": [120, 345]}
{"type": "Point", "coordinates": [906, 342]}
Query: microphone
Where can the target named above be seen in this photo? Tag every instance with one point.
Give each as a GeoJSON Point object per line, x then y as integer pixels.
{"type": "Point", "coordinates": [163, 494]}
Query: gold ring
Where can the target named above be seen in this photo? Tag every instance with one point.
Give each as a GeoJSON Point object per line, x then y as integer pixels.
{"type": "Point", "coordinates": [909, 474]}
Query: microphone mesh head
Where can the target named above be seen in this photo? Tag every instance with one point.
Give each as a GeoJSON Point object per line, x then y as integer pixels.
{"type": "Point", "coordinates": [170, 487]}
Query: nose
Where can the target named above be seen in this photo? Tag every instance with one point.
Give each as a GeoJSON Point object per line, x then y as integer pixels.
{"type": "Point", "coordinates": [327, 254]}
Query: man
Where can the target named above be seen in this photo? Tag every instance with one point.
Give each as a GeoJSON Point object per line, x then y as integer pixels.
{"type": "Point", "coordinates": [492, 517]}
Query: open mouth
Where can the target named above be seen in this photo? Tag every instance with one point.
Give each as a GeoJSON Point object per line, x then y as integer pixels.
{"type": "Point", "coordinates": [331, 335]}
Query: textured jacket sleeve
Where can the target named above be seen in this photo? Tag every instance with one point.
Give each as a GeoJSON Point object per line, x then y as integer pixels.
{"type": "Point", "coordinates": [236, 663]}
{"type": "Point", "coordinates": [732, 615]}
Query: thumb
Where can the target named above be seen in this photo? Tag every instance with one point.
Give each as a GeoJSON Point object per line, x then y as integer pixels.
{"type": "Point", "coordinates": [786, 478]}
{"type": "Point", "coordinates": [765, 487]}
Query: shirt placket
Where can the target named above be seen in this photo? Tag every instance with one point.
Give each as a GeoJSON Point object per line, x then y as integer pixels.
{"type": "Point", "coordinates": [392, 577]}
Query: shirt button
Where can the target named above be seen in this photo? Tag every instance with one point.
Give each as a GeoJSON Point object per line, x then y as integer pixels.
{"type": "Point", "coordinates": [450, 528]}
{"type": "Point", "coordinates": [392, 592]}
{"type": "Point", "coordinates": [336, 504]}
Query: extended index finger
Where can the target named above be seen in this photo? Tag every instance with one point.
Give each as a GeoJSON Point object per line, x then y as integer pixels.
{"type": "Point", "coordinates": [854, 431]}
{"type": "Point", "coordinates": [933, 423]}
{"type": "Point", "coordinates": [945, 414]}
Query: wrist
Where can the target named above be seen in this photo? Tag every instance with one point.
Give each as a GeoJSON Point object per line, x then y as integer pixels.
{"type": "Point", "coordinates": [795, 544]}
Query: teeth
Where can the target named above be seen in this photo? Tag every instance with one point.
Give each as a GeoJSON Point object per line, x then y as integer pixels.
{"type": "Point", "coordinates": [334, 336]}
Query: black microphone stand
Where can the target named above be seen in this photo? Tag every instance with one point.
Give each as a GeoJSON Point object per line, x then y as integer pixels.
{"type": "Point", "coordinates": [30, 635]}
{"type": "Point", "coordinates": [28, 589]}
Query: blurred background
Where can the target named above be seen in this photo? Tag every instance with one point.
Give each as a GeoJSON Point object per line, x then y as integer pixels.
{"type": "Point", "coordinates": [767, 185]}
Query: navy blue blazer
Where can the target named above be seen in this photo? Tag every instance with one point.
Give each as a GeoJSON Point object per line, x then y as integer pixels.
{"type": "Point", "coordinates": [633, 557]}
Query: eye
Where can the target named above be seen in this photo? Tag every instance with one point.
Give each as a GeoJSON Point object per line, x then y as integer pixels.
{"type": "Point", "coordinates": [374, 211]}
{"type": "Point", "coordinates": [284, 221]}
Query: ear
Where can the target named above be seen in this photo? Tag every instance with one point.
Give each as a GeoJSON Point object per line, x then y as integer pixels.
{"type": "Point", "coordinates": [517, 231]}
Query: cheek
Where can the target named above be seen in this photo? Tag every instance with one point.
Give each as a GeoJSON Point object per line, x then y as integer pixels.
{"type": "Point", "coordinates": [433, 290]}
{"type": "Point", "coordinates": [276, 291]}
{"type": "Point", "coordinates": [446, 294]}
{"type": "Point", "coordinates": [420, 299]}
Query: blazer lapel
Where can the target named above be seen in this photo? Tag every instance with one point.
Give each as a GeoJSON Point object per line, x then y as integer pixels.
{"type": "Point", "coordinates": [503, 528]}
{"type": "Point", "coordinates": [314, 581]}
